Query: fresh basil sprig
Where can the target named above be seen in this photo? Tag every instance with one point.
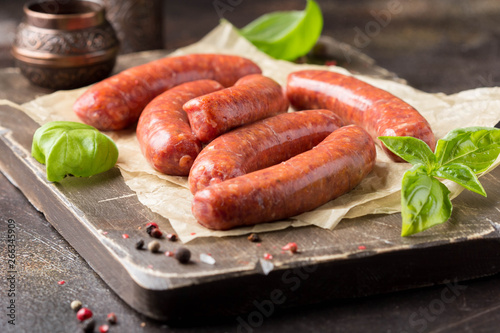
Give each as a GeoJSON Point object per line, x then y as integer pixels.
{"type": "Point", "coordinates": [73, 148]}
{"type": "Point", "coordinates": [460, 156]}
{"type": "Point", "coordinates": [286, 35]}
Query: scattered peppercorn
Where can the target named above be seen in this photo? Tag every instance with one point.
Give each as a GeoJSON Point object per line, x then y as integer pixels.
{"type": "Point", "coordinates": [154, 246]}
{"type": "Point", "coordinates": [268, 256]}
{"type": "Point", "coordinates": [61, 282]}
{"type": "Point", "coordinates": [156, 233]}
{"type": "Point", "coordinates": [172, 237]}
{"type": "Point", "coordinates": [183, 255]}
{"type": "Point", "coordinates": [125, 236]}
{"type": "Point", "coordinates": [362, 247]}
{"type": "Point", "coordinates": [83, 314]}
{"type": "Point", "coordinates": [292, 247]}
{"type": "Point", "coordinates": [169, 253]}
{"type": "Point", "coordinates": [254, 238]}
{"type": "Point", "coordinates": [88, 325]}
{"type": "Point", "coordinates": [104, 328]}
{"type": "Point", "coordinates": [111, 318]}
{"type": "Point", "coordinates": [76, 305]}
{"type": "Point", "coordinates": [150, 227]}
{"type": "Point", "coordinates": [140, 244]}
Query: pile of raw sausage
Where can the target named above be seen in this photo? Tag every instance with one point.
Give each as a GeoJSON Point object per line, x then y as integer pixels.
{"type": "Point", "coordinates": [219, 121]}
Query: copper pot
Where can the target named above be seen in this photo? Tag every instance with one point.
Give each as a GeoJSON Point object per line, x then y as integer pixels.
{"type": "Point", "coordinates": [65, 44]}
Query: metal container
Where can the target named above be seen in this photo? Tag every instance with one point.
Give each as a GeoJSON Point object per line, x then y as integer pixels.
{"type": "Point", "coordinates": [65, 44]}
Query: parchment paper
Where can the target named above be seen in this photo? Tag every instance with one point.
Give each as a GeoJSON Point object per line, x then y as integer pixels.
{"type": "Point", "coordinates": [378, 193]}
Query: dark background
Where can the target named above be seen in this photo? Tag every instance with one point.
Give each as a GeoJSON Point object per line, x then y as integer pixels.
{"type": "Point", "coordinates": [437, 46]}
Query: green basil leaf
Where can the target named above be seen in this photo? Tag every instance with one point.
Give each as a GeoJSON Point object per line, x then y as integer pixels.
{"type": "Point", "coordinates": [410, 149]}
{"type": "Point", "coordinates": [288, 34]}
{"type": "Point", "coordinates": [425, 201]}
{"type": "Point", "coordinates": [462, 175]}
{"type": "Point", "coordinates": [475, 147]}
{"type": "Point", "coordinates": [73, 148]}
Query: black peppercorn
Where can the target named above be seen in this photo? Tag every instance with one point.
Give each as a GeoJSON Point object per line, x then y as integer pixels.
{"type": "Point", "coordinates": [88, 325]}
{"type": "Point", "coordinates": [254, 238]}
{"type": "Point", "coordinates": [183, 255]}
{"type": "Point", "coordinates": [140, 244]}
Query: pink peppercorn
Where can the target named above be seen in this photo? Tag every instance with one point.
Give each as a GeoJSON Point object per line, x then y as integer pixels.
{"type": "Point", "coordinates": [83, 314]}
{"type": "Point", "coordinates": [292, 247]}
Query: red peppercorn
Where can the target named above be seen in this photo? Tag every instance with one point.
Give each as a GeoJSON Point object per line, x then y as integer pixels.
{"type": "Point", "coordinates": [152, 224]}
{"type": "Point", "coordinates": [172, 237]}
{"type": "Point", "coordinates": [111, 318]}
{"type": "Point", "coordinates": [83, 314]}
{"type": "Point", "coordinates": [292, 247]}
{"type": "Point", "coordinates": [156, 233]}
{"type": "Point", "coordinates": [125, 236]}
{"type": "Point", "coordinates": [268, 256]}
{"type": "Point", "coordinates": [150, 227]}
{"type": "Point", "coordinates": [104, 328]}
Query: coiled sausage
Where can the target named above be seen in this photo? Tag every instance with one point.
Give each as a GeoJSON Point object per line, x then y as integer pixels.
{"type": "Point", "coordinates": [260, 145]}
{"type": "Point", "coordinates": [300, 184]}
{"type": "Point", "coordinates": [252, 98]}
{"type": "Point", "coordinates": [356, 102]}
{"type": "Point", "coordinates": [163, 130]}
{"type": "Point", "coordinates": [117, 102]}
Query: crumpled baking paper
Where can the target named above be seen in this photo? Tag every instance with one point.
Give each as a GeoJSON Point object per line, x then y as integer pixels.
{"type": "Point", "coordinates": [378, 193]}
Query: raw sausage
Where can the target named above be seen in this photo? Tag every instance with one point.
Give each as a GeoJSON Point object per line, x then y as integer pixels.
{"type": "Point", "coordinates": [252, 98]}
{"type": "Point", "coordinates": [356, 102]}
{"type": "Point", "coordinates": [116, 102]}
{"type": "Point", "coordinates": [300, 184]}
{"type": "Point", "coordinates": [260, 145]}
{"type": "Point", "coordinates": [163, 130]}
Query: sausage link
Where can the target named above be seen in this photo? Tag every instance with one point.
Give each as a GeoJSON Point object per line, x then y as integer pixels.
{"type": "Point", "coordinates": [302, 183]}
{"type": "Point", "coordinates": [356, 102]}
{"type": "Point", "coordinates": [117, 102]}
{"type": "Point", "coordinates": [163, 130]}
{"type": "Point", "coordinates": [259, 145]}
{"type": "Point", "coordinates": [252, 98]}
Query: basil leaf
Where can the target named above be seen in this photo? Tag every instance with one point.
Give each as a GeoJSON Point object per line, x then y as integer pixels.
{"type": "Point", "coordinates": [410, 149]}
{"type": "Point", "coordinates": [462, 175]}
{"type": "Point", "coordinates": [73, 148]}
{"type": "Point", "coordinates": [475, 147]}
{"type": "Point", "coordinates": [425, 201]}
{"type": "Point", "coordinates": [288, 34]}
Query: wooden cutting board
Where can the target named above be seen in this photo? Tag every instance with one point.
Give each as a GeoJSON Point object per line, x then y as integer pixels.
{"type": "Point", "coordinates": [359, 257]}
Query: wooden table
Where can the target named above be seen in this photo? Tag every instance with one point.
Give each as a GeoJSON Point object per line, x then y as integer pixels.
{"type": "Point", "coordinates": [472, 306]}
